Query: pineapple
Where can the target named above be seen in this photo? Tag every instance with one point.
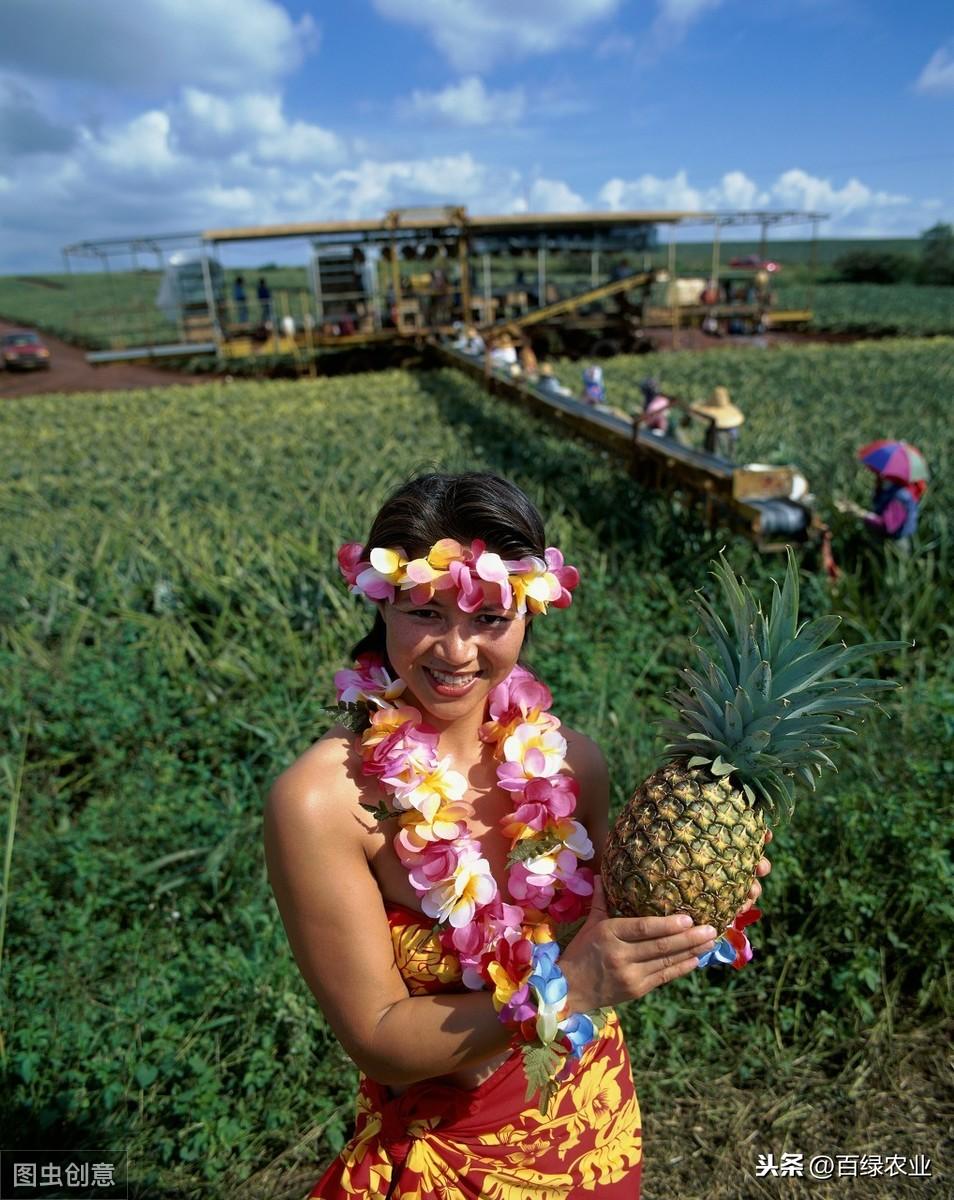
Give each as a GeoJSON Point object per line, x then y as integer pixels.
{"type": "Point", "coordinates": [754, 718]}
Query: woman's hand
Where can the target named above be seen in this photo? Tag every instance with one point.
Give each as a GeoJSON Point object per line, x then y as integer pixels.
{"type": "Point", "coordinates": [615, 959]}
{"type": "Point", "coordinates": [848, 506]}
{"type": "Point", "coordinates": [761, 871]}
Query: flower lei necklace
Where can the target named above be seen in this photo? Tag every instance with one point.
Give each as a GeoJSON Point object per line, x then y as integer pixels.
{"type": "Point", "coordinates": [508, 947]}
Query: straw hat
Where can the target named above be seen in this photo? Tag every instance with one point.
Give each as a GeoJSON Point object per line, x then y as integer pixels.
{"type": "Point", "coordinates": [721, 409]}
{"type": "Point", "coordinates": [546, 369]}
{"type": "Point", "coordinates": [503, 342]}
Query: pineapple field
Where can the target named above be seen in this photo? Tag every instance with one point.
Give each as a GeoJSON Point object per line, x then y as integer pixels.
{"type": "Point", "coordinates": [170, 619]}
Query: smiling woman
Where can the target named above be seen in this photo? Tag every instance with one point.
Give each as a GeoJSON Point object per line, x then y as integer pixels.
{"type": "Point", "coordinates": [452, 850]}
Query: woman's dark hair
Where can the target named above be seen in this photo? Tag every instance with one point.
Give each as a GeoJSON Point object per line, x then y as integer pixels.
{"type": "Point", "coordinates": [462, 507]}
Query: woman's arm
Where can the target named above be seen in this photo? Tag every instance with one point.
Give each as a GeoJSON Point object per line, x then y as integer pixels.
{"type": "Point", "coordinates": [891, 520]}
{"type": "Point", "coordinates": [337, 927]}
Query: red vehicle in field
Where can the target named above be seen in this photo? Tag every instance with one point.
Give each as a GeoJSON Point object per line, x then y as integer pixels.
{"type": "Point", "coordinates": [22, 350]}
{"type": "Point", "coordinates": [752, 262]}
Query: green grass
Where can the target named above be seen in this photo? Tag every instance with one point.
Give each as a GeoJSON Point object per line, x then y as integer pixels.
{"type": "Point", "coordinates": [170, 618]}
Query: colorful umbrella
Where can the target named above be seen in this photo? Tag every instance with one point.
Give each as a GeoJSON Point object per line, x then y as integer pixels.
{"type": "Point", "coordinates": [894, 460]}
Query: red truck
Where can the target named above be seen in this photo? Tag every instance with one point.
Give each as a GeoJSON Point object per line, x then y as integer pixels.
{"type": "Point", "coordinates": [21, 350]}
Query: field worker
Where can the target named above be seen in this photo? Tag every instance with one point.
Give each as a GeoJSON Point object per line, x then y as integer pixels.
{"type": "Point", "coordinates": [502, 353]}
{"type": "Point", "coordinates": [593, 390]}
{"type": "Point", "coordinates": [722, 434]}
{"type": "Point", "coordinates": [389, 853]}
{"type": "Point", "coordinates": [549, 384]}
{"type": "Point", "coordinates": [901, 474]}
{"type": "Point", "coordinates": [657, 417]}
{"type": "Point", "coordinates": [263, 292]}
{"type": "Point", "coordinates": [528, 363]}
{"type": "Point", "coordinates": [241, 303]}
{"type": "Point", "coordinates": [649, 388]}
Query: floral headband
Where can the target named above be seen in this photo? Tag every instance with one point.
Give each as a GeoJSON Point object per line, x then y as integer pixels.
{"type": "Point", "coordinates": [479, 576]}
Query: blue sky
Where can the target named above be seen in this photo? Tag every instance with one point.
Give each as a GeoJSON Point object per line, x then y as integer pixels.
{"type": "Point", "coordinates": [164, 115]}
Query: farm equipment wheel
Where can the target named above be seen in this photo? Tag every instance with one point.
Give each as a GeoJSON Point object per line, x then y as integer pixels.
{"type": "Point", "coordinates": [606, 348]}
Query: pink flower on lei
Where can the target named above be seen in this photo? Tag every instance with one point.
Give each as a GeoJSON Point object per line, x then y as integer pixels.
{"type": "Point", "coordinates": [473, 943]}
{"type": "Point", "coordinates": [369, 682]}
{"type": "Point", "coordinates": [521, 697]}
{"type": "Point", "coordinates": [544, 802]}
{"type": "Point", "coordinates": [569, 905]}
{"type": "Point", "coordinates": [536, 880]}
{"type": "Point", "coordinates": [532, 752]}
{"type": "Point", "coordinates": [459, 898]}
{"type": "Point", "coordinates": [397, 741]}
{"type": "Point", "coordinates": [426, 786]}
{"type": "Point", "coordinates": [443, 822]}
{"type": "Point", "coordinates": [434, 863]}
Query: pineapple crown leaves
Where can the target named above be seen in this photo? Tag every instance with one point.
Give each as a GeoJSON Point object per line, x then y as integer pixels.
{"type": "Point", "coordinates": [767, 705]}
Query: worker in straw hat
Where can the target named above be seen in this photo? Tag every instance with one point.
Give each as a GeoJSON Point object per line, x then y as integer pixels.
{"type": "Point", "coordinates": [724, 420]}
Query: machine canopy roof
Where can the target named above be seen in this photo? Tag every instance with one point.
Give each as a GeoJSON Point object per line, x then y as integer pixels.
{"type": "Point", "coordinates": [450, 222]}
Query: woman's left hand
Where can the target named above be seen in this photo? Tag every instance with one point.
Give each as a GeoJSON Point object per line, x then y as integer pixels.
{"type": "Point", "coordinates": [761, 871]}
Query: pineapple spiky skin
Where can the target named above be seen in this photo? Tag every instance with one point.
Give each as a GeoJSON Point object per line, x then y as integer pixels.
{"type": "Point", "coordinates": [687, 842]}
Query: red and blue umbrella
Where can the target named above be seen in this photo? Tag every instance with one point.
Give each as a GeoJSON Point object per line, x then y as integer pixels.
{"type": "Point", "coordinates": [894, 460]}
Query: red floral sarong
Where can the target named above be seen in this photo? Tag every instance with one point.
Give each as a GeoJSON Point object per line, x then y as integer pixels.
{"type": "Point", "coordinates": [489, 1143]}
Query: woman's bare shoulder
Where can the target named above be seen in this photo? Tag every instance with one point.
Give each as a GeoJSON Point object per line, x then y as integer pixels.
{"type": "Point", "coordinates": [323, 780]}
{"type": "Point", "coordinates": [583, 754]}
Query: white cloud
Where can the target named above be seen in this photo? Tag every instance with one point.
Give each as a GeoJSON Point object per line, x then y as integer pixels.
{"type": "Point", "coordinates": [140, 145]}
{"type": "Point", "coordinates": [151, 46]}
{"type": "Point", "coordinates": [467, 103]}
{"type": "Point", "coordinates": [937, 77]}
{"type": "Point", "coordinates": [650, 193]}
{"type": "Point", "coordinates": [473, 34]}
{"type": "Point", "coordinates": [254, 123]}
{"type": "Point", "coordinates": [554, 196]}
{"type": "Point", "coordinates": [738, 191]}
{"type": "Point", "coordinates": [372, 187]}
{"type": "Point", "coordinates": [795, 189]}
{"type": "Point", "coordinates": [798, 189]}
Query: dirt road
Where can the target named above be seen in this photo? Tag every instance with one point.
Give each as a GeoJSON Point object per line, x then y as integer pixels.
{"type": "Point", "coordinates": [70, 372]}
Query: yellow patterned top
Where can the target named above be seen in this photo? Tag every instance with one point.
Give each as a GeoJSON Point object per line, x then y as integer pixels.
{"type": "Point", "coordinates": [424, 964]}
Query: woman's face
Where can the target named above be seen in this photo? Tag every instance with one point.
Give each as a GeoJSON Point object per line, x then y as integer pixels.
{"type": "Point", "coordinates": [450, 659]}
